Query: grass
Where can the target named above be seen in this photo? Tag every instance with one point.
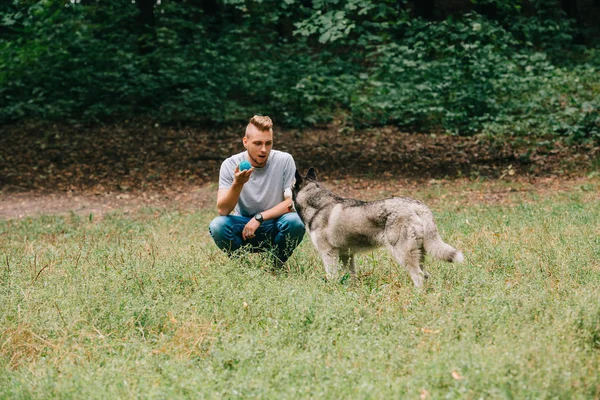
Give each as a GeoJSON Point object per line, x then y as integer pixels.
{"type": "Point", "coordinates": [144, 305]}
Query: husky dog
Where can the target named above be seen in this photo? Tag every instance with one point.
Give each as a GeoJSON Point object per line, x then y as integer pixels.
{"type": "Point", "coordinates": [340, 227]}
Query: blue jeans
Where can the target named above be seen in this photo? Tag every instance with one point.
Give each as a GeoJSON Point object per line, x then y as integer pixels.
{"type": "Point", "coordinates": [281, 236]}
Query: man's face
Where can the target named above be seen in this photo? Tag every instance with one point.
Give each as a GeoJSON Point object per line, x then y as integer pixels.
{"type": "Point", "coordinates": [259, 144]}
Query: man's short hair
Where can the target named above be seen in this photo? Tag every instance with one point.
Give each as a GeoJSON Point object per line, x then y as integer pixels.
{"type": "Point", "coordinates": [262, 122]}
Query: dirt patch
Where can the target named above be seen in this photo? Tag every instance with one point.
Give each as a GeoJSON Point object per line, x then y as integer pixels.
{"type": "Point", "coordinates": [187, 199]}
{"type": "Point", "coordinates": [100, 160]}
{"type": "Point", "coordinates": [96, 170]}
{"type": "Point", "coordinates": [31, 204]}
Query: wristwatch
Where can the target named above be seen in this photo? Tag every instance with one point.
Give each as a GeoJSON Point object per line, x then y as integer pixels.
{"type": "Point", "coordinates": [259, 217]}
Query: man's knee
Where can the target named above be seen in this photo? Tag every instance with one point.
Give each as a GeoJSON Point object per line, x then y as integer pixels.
{"type": "Point", "coordinates": [217, 227]}
{"type": "Point", "coordinates": [222, 229]}
{"type": "Point", "coordinates": [291, 224]}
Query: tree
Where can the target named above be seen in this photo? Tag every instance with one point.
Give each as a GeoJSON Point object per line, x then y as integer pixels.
{"type": "Point", "coordinates": [571, 8]}
{"type": "Point", "coordinates": [147, 26]}
{"type": "Point", "coordinates": [425, 9]}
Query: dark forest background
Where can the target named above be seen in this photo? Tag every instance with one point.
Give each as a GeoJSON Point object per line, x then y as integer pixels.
{"type": "Point", "coordinates": [516, 67]}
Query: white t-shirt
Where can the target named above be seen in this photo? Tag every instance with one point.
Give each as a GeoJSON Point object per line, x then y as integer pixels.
{"type": "Point", "coordinates": [266, 185]}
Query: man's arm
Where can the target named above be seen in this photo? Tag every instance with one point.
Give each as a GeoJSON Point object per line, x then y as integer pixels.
{"type": "Point", "coordinates": [228, 198]}
{"type": "Point", "coordinates": [275, 212]}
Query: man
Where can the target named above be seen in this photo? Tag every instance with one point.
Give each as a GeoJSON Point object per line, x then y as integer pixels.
{"type": "Point", "coordinates": [263, 216]}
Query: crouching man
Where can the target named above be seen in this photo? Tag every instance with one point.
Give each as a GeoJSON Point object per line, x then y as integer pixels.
{"type": "Point", "coordinates": [263, 216]}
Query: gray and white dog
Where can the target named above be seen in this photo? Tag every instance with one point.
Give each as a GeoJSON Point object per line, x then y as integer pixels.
{"type": "Point", "coordinates": [340, 227]}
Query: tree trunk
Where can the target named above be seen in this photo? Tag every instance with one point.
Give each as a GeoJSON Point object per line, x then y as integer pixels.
{"type": "Point", "coordinates": [424, 9]}
{"type": "Point", "coordinates": [210, 7]}
{"type": "Point", "coordinates": [571, 8]}
{"type": "Point", "coordinates": [147, 22]}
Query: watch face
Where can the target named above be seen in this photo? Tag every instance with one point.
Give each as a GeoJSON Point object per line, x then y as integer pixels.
{"type": "Point", "coordinates": [259, 217]}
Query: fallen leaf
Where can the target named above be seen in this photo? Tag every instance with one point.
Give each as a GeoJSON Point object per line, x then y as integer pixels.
{"type": "Point", "coordinates": [457, 376]}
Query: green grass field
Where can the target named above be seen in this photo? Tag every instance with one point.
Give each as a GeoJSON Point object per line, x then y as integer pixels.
{"type": "Point", "coordinates": [143, 305]}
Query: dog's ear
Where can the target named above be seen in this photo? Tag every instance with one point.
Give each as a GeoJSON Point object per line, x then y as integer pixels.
{"type": "Point", "coordinates": [311, 175]}
{"type": "Point", "coordinates": [298, 179]}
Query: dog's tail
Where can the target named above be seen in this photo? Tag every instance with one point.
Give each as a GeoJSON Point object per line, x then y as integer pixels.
{"type": "Point", "coordinates": [434, 245]}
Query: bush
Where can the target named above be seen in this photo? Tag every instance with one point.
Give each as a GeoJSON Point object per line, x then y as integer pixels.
{"type": "Point", "coordinates": [471, 75]}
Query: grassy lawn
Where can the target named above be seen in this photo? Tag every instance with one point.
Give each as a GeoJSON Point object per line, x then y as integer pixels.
{"type": "Point", "coordinates": [144, 305]}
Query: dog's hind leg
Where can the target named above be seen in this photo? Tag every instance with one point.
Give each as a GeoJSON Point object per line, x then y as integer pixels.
{"type": "Point", "coordinates": [352, 266]}
{"type": "Point", "coordinates": [347, 258]}
{"type": "Point", "coordinates": [414, 257]}
{"type": "Point", "coordinates": [409, 255]}
{"type": "Point", "coordinates": [405, 244]}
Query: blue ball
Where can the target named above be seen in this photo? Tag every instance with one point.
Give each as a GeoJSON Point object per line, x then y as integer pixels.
{"type": "Point", "coordinates": [244, 165]}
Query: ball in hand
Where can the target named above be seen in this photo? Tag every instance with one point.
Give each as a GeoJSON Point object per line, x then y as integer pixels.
{"type": "Point", "coordinates": [244, 165]}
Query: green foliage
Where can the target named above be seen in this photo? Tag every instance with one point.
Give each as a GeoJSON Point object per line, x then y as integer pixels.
{"type": "Point", "coordinates": [469, 75]}
{"type": "Point", "coordinates": [370, 62]}
{"type": "Point", "coordinates": [144, 305]}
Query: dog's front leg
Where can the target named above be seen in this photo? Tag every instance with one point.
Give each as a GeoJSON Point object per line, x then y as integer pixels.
{"type": "Point", "coordinates": [330, 260]}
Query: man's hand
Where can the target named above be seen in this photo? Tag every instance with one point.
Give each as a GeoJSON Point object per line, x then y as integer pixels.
{"type": "Point", "coordinates": [249, 230]}
{"type": "Point", "coordinates": [228, 198]}
{"type": "Point", "coordinates": [241, 177]}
